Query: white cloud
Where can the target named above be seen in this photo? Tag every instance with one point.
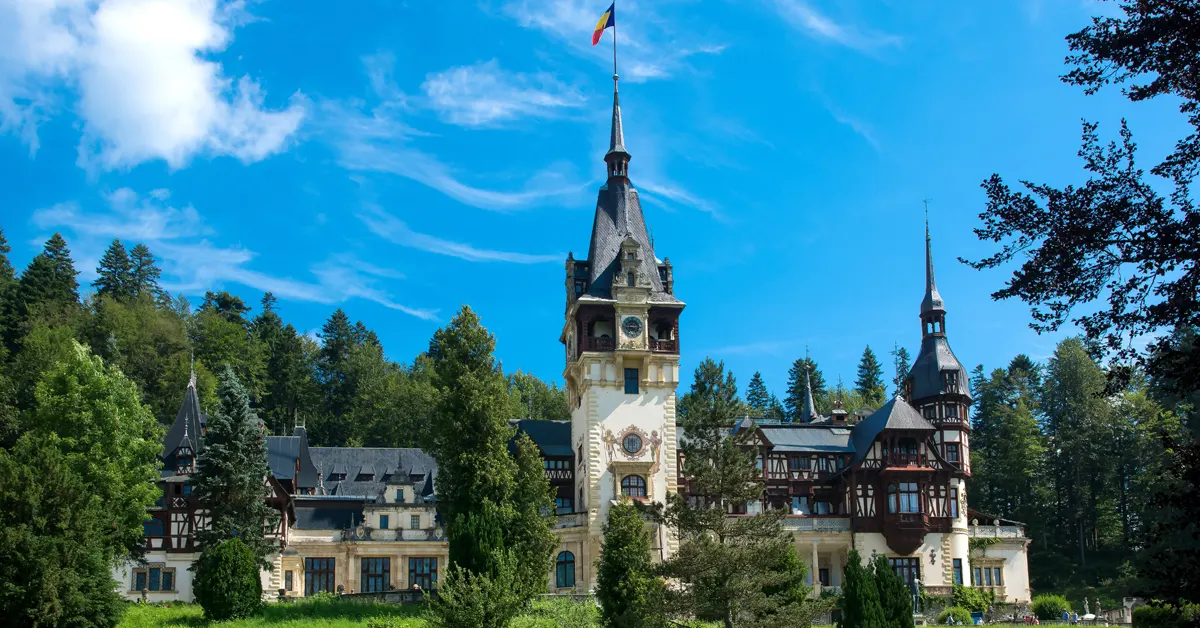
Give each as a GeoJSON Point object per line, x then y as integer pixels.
{"type": "Point", "coordinates": [379, 140]}
{"type": "Point", "coordinates": [803, 16]}
{"type": "Point", "coordinates": [191, 265]}
{"type": "Point", "coordinates": [145, 89]}
{"type": "Point", "coordinates": [483, 94]}
{"type": "Point", "coordinates": [659, 190]}
{"type": "Point", "coordinates": [647, 49]}
{"type": "Point", "coordinates": [861, 128]}
{"type": "Point", "coordinates": [390, 228]}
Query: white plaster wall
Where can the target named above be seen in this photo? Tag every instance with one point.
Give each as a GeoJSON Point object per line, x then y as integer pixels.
{"type": "Point", "coordinates": [123, 575]}
{"type": "Point", "coordinates": [1016, 569]}
{"type": "Point", "coordinates": [645, 411]}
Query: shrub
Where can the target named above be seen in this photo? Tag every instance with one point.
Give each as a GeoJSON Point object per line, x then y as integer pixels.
{"type": "Point", "coordinates": [1158, 615]}
{"type": "Point", "coordinates": [960, 615]}
{"type": "Point", "coordinates": [469, 599]}
{"type": "Point", "coordinates": [388, 622]}
{"type": "Point", "coordinates": [1047, 606]}
{"type": "Point", "coordinates": [972, 599]}
{"type": "Point", "coordinates": [227, 584]}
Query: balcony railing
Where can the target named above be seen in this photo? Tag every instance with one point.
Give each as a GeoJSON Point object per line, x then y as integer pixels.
{"type": "Point", "coordinates": [996, 532]}
{"type": "Point", "coordinates": [664, 346]}
{"type": "Point", "coordinates": [905, 459]}
{"type": "Point", "coordinates": [572, 520]}
{"type": "Point", "coordinates": [817, 524]}
{"type": "Point", "coordinates": [600, 344]}
{"type": "Point", "coordinates": [392, 534]}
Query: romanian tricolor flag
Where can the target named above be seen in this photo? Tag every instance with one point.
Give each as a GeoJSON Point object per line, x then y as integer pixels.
{"type": "Point", "coordinates": [607, 20]}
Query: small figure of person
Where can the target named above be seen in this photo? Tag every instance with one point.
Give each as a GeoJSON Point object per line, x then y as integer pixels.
{"type": "Point", "coordinates": [1066, 617]}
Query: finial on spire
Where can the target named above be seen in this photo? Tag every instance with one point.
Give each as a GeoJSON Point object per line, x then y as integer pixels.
{"type": "Point", "coordinates": [933, 300]}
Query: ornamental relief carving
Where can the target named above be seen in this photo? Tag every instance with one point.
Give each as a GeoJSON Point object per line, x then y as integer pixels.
{"type": "Point", "coordinates": [633, 443]}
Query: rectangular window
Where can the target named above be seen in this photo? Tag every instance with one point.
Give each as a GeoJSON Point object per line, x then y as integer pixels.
{"type": "Point", "coordinates": [319, 575]}
{"type": "Point", "coordinates": [562, 506]}
{"type": "Point", "coordinates": [168, 580]}
{"type": "Point", "coordinates": [909, 569]}
{"type": "Point", "coordinates": [631, 381]}
{"type": "Point", "coordinates": [794, 463]}
{"type": "Point", "coordinates": [383, 522]}
{"type": "Point", "coordinates": [155, 574]}
{"type": "Point", "coordinates": [139, 580]}
{"type": "Point", "coordinates": [288, 580]}
{"type": "Point", "coordinates": [958, 573]}
{"type": "Point", "coordinates": [422, 572]}
{"type": "Point", "coordinates": [952, 452]}
{"type": "Point", "coordinates": [954, 503]}
{"type": "Point", "coordinates": [155, 578]}
{"type": "Point", "coordinates": [376, 575]}
{"type": "Point", "coordinates": [823, 576]}
{"type": "Point", "coordinates": [824, 508]}
{"type": "Point", "coordinates": [799, 504]}
{"type": "Point", "coordinates": [978, 581]}
{"type": "Point", "coordinates": [400, 495]}
{"type": "Point", "coordinates": [996, 576]}
{"type": "Point", "coordinates": [987, 576]}
{"type": "Point", "coordinates": [910, 499]}
{"type": "Point", "coordinates": [414, 522]}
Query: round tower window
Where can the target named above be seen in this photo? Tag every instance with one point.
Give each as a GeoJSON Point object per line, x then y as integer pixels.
{"type": "Point", "coordinates": [632, 443]}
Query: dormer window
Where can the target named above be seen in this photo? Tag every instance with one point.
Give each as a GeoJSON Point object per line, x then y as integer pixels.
{"type": "Point", "coordinates": [184, 465]}
{"type": "Point", "coordinates": [629, 255]}
{"type": "Point", "coordinates": [364, 477]}
{"type": "Point", "coordinates": [951, 381]}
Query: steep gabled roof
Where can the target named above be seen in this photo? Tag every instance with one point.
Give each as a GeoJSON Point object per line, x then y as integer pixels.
{"type": "Point", "coordinates": [894, 415]}
{"type": "Point", "coordinates": [186, 429]}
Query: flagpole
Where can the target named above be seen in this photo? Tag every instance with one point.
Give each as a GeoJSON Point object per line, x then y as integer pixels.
{"type": "Point", "coordinates": [614, 19]}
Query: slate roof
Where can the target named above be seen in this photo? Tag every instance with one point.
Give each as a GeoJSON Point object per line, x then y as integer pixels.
{"type": "Point", "coordinates": [552, 437]}
{"type": "Point", "coordinates": [796, 437]}
{"type": "Point", "coordinates": [328, 514]}
{"type": "Point", "coordinates": [894, 415]}
{"type": "Point", "coordinates": [186, 429]}
{"type": "Point", "coordinates": [932, 301]}
{"type": "Point", "coordinates": [407, 462]}
{"type": "Point", "coordinates": [926, 373]}
{"type": "Point", "coordinates": [286, 454]}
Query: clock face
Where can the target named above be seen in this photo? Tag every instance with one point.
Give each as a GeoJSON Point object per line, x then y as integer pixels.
{"type": "Point", "coordinates": [632, 326]}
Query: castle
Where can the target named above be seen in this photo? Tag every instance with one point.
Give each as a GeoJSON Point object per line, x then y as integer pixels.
{"type": "Point", "coordinates": [892, 483]}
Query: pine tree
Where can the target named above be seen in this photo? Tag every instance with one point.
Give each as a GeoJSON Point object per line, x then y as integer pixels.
{"type": "Point", "coordinates": [895, 597]}
{"type": "Point", "coordinates": [870, 378]}
{"type": "Point", "coordinates": [288, 384]}
{"type": "Point", "coordinates": [50, 276]}
{"type": "Point", "coordinates": [775, 409]}
{"type": "Point", "coordinates": [758, 400]}
{"type": "Point", "coordinates": [861, 607]}
{"type": "Point", "coordinates": [901, 362]}
{"type": "Point", "coordinates": [626, 587]}
{"type": "Point", "coordinates": [795, 389]}
{"type": "Point", "coordinates": [114, 275]}
{"type": "Point", "coordinates": [232, 471]}
{"type": "Point", "coordinates": [145, 273]}
{"type": "Point", "coordinates": [7, 273]}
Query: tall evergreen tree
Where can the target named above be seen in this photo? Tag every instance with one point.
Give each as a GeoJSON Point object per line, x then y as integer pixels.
{"type": "Point", "coordinates": [539, 400]}
{"type": "Point", "coordinates": [114, 275]}
{"type": "Point", "coordinates": [901, 362]}
{"type": "Point", "coordinates": [629, 593]}
{"type": "Point", "coordinates": [794, 399]}
{"type": "Point", "coordinates": [145, 273]}
{"type": "Point", "coordinates": [894, 596]}
{"type": "Point", "coordinates": [775, 409]}
{"type": "Point", "coordinates": [231, 475]}
{"type": "Point", "coordinates": [288, 384]}
{"type": "Point", "coordinates": [758, 400]}
{"type": "Point", "coordinates": [7, 273]}
{"type": "Point", "coordinates": [47, 291]}
{"type": "Point", "coordinates": [870, 378]}
{"type": "Point", "coordinates": [861, 607]}
{"type": "Point", "coordinates": [720, 559]}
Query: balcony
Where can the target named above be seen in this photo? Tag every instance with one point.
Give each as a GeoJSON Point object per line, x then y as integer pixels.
{"type": "Point", "coordinates": [599, 344]}
{"type": "Point", "coordinates": [816, 524]}
{"type": "Point", "coordinates": [392, 534]}
{"type": "Point", "coordinates": [664, 346]}
{"type": "Point", "coordinates": [996, 532]}
{"type": "Point", "coordinates": [572, 520]}
{"type": "Point", "coordinates": [905, 459]}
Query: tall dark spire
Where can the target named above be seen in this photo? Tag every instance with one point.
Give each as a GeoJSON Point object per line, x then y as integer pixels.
{"type": "Point", "coordinates": [808, 411]}
{"type": "Point", "coordinates": [617, 157]}
{"type": "Point", "coordinates": [932, 301]}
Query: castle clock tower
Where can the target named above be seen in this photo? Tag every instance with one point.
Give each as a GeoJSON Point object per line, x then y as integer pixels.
{"type": "Point", "coordinates": [621, 333]}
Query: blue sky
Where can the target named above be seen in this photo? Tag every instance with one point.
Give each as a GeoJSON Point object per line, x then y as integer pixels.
{"type": "Point", "coordinates": [399, 159]}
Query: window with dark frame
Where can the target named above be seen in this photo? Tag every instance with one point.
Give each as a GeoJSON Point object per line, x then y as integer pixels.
{"type": "Point", "coordinates": [288, 580]}
{"type": "Point", "coordinates": [996, 576]}
{"type": "Point", "coordinates": [978, 580]}
{"type": "Point", "coordinates": [952, 452]}
{"type": "Point", "coordinates": [823, 576]}
{"type": "Point", "coordinates": [376, 575]}
{"type": "Point", "coordinates": [954, 503]}
{"type": "Point", "coordinates": [631, 381]}
{"type": "Point", "coordinates": [958, 571]}
{"type": "Point", "coordinates": [909, 569]}
{"type": "Point", "coordinates": [383, 522]}
{"type": "Point", "coordinates": [414, 522]}
{"type": "Point", "coordinates": [154, 577]}
{"type": "Point", "coordinates": [319, 575]}
{"type": "Point", "coordinates": [910, 498]}
{"type": "Point", "coordinates": [563, 506]}
{"type": "Point", "coordinates": [564, 570]}
{"type": "Point", "coordinates": [633, 486]}
{"type": "Point", "coordinates": [422, 572]}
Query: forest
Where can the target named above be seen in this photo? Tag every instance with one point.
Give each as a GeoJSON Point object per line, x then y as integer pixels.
{"type": "Point", "coordinates": [338, 383]}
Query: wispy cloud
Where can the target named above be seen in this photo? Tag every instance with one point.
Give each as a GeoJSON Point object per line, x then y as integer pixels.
{"type": "Point", "coordinates": [649, 49]}
{"type": "Point", "coordinates": [806, 18]}
{"type": "Point", "coordinates": [379, 139]}
{"type": "Point", "coordinates": [861, 128]}
{"type": "Point", "coordinates": [147, 87]}
{"type": "Point", "coordinates": [485, 95]}
{"type": "Point", "coordinates": [659, 190]}
{"type": "Point", "coordinates": [390, 228]}
{"type": "Point", "coordinates": [192, 265]}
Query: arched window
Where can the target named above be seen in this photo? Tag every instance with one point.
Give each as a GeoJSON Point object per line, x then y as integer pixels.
{"type": "Point", "coordinates": [633, 486]}
{"type": "Point", "coordinates": [564, 570]}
